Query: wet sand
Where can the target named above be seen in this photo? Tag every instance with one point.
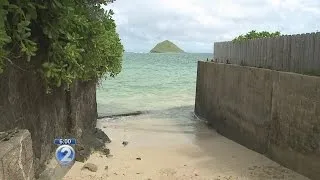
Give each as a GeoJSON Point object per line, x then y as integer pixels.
{"type": "Point", "coordinates": [173, 145]}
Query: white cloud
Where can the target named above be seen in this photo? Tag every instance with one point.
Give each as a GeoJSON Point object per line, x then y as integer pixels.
{"type": "Point", "coordinates": [195, 25]}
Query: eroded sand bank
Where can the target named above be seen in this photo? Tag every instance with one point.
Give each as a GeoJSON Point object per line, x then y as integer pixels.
{"type": "Point", "coordinates": [175, 147]}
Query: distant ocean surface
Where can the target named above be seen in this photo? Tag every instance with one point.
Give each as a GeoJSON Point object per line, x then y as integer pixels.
{"type": "Point", "coordinates": [150, 82]}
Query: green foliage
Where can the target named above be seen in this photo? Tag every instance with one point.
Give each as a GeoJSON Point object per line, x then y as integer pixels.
{"type": "Point", "coordinates": [254, 34]}
{"type": "Point", "coordinates": [166, 46]}
{"type": "Point", "coordinates": [78, 38]}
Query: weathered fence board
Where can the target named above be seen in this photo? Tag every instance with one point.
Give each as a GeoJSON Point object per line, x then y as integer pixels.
{"type": "Point", "coordinates": [296, 53]}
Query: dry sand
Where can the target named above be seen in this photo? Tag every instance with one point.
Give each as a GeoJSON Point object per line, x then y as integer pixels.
{"type": "Point", "coordinates": [175, 150]}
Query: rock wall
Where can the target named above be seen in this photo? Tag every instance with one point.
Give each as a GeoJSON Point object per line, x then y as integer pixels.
{"type": "Point", "coordinates": [24, 104]}
{"type": "Point", "coordinates": [274, 113]}
{"type": "Point", "coordinates": [16, 156]}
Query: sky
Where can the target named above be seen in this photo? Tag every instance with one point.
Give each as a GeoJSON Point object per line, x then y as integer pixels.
{"type": "Point", "coordinates": [194, 25]}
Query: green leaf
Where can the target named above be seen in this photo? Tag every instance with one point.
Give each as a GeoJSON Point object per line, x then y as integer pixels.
{"type": "Point", "coordinates": [40, 6]}
{"type": "Point", "coordinates": [26, 35]}
{"type": "Point", "coordinates": [48, 74]}
{"type": "Point", "coordinates": [59, 83]}
{"type": "Point", "coordinates": [46, 65]}
{"type": "Point", "coordinates": [57, 3]}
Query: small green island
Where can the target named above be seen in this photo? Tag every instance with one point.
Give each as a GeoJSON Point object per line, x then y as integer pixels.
{"type": "Point", "coordinates": [166, 47]}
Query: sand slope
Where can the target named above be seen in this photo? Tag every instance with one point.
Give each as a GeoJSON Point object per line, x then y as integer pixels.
{"type": "Point", "coordinates": [177, 150]}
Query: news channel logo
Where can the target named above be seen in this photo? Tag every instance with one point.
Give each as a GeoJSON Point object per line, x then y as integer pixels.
{"type": "Point", "coordinates": [65, 154]}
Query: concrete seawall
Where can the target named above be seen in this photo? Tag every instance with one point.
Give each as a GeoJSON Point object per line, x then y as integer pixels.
{"type": "Point", "coordinates": [274, 113]}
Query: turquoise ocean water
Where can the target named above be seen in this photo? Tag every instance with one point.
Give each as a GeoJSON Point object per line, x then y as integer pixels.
{"type": "Point", "coordinates": [150, 82]}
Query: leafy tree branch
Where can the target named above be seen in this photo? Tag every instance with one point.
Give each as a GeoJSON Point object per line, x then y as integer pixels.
{"type": "Point", "coordinates": [78, 38]}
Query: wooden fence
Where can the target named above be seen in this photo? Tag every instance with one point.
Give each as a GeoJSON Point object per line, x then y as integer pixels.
{"type": "Point", "coordinates": [294, 53]}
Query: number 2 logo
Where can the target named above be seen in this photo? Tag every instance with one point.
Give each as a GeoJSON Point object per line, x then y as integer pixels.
{"type": "Point", "coordinates": [65, 155]}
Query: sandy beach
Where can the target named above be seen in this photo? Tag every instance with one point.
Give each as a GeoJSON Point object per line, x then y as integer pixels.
{"type": "Point", "coordinates": [180, 147]}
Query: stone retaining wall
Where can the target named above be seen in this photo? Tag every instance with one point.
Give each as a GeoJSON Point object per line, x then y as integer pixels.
{"type": "Point", "coordinates": [274, 113]}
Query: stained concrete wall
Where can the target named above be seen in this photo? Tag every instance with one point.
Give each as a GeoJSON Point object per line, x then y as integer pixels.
{"type": "Point", "coordinates": [274, 113]}
{"type": "Point", "coordinates": [24, 104]}
{"type": "Point", "coordinates": [16, 155]}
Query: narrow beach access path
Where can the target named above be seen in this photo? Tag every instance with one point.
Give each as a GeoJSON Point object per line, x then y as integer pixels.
{"type": "Point", "coordinates": [170, 145]}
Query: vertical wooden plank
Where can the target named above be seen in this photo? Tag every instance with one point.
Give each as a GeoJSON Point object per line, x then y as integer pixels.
{"type": "Point", "coordinates": [275, 54]}
{"type": "Point", "coordinates": [214, 50]}
{"type": "Point", "coordinates": [296, 53]}
{"type": "Point", "coordinates": [300, 52]}
{"type": "Point", "coordinates": [240, 51]}
{"type": "Point", "coordinates": [269, 53]}
{"type": "Point", "coordinates": [272, 45]}
{"type": "Point", "coordinates": [280, 50]}
{"type": "Point", "coordinates": [285, 54]}
{"type": "Point", "coordinates": [289, 39]}
{"type": "Point", "coordinates": [254, 52]}
{"type": "Point", "coordinates": [217, 50]}
{"type": "Point", "coordinates": [316, 51]}
{"type": "Point", "coordinates": [252, 48]}
{"type": "Point", "coordinates": [235, 52]}
{"type": "Point", "coordinates": [257, 55]}
{"type": "Point", "coordinates": [257, 52]}
{"type": "Point", "coordinates": [263, 52]}
{"type": "Point", "coordinates": [304, 55]}
{"type": "Point", "coordinates": [234, 59]}
{"type": "Point", "coordinates": [310, 52]}
{"type": "Point", "coordinates": [229, 52]}
{"type": "Point", "coordinates": [232, 54]}
{"type": "Point", "coordinates": [281, 53]}
{"type": "Point", "coordinates": [222, 52]}
{"type": "Point", "coordinates": [307, 53]}
{"type": "Point", "coordinates": [260, 51]}
{"type": "Point", "coordinates": [242, 47]}
{"type": "Point", "coordinates": [302, 48]}
{"type": "Point", "coordinates": [247, 53]}
{"type": "Point", "coordinates": [292, 54]}
{"type": "Point", "coordinates": [229, 48]}
{"type": "Point", "coordinates": [226, 51]}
